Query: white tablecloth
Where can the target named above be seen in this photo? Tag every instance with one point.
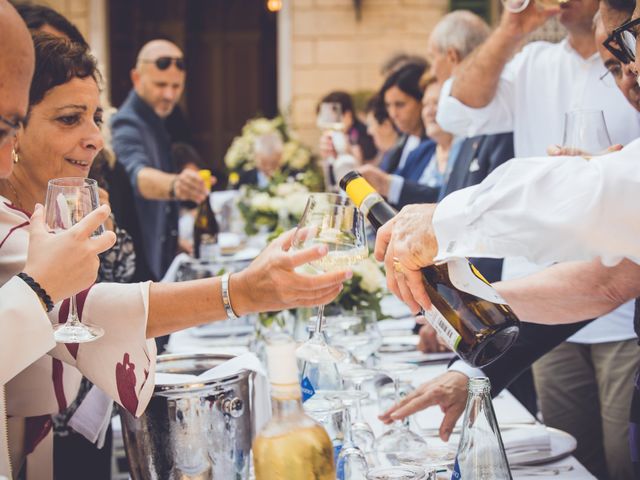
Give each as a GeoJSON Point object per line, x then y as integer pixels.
{"type": "Point", "coordinates": [508, 409]}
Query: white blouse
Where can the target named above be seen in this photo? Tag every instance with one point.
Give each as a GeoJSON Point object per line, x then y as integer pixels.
{"type": "Point", "coordinates": [40, 377]}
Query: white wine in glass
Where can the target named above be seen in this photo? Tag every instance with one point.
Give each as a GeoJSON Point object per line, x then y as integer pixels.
{"type": "Point", "coordinates": [333, 221]}
{"type": "Point", "coordinates": [68, 201]}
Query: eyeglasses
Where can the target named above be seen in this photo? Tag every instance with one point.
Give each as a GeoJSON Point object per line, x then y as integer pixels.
{"type": "Point", "coordinates": [162, 63]}
{"type": "Point", "coordinates": [622, 41]}
{"type": "Point", "coordinates": [7, 133]}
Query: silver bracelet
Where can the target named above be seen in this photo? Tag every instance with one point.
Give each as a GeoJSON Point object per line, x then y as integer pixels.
{"type": "Point", "coordinates": [226, 299]}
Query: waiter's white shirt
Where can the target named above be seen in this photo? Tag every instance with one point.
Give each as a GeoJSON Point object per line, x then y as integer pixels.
{"type": "Point", "coordinates": [542, 83]}
{"type": "Point", "coordinates": [567, 209]}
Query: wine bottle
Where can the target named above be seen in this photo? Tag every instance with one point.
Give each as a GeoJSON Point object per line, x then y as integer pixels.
{"type": "Point", "coordinates": [205, 228]}
{"type": "Point", "coordinates": [291, 446]}
{"type": "Point", "coordinates": [468, 314]}
{"type": "Point", "coordinates": [481, 452]}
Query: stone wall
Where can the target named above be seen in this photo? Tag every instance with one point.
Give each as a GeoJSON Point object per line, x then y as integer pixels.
{"type": "Point", "coordinates": [331, 49]}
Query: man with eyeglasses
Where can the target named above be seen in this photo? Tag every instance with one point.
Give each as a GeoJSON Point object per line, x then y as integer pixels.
{"type": "Point", "coordinates": [141, 142]}
{"type": "Point", "coordinates": [530, 93]}
{"type": "Point", "coordinates": [566, 210]}
{"type": "Point", "coordinates": [617, 71]}
{"type": "Point", "coordinates": [25, 328]}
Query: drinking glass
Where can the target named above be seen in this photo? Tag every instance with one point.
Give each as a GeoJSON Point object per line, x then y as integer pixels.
{"type": "Point", "coordinates": [334, 221]}
{"type": "Point", "coordinates": [585, 133]}
{"type": "Point", "coordinates": [400, 439]}
{"type": "Point", "coordinates": [351, 463]}
{"type": "Point", "coordinates": [360, 336]}
{"type": "Point", "coordinates": [361, 431]}
{"type": "Point", "coordinates": [68, 201]}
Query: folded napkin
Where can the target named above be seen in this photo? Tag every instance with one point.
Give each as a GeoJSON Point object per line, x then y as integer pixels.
{"type": "Point", "coordinates": [93, 416]}
{"type": "Point", "coordinates": [526, 444]}
{"type": "Point", "coordinates": [261, 404]}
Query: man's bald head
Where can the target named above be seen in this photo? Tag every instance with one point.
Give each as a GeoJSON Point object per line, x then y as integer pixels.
{"type": "Point", "coordinates": [17, 61]}
{"type": "Point", "coordinates": [155, 49]}
{"type": "Point", "coordinates": [157, 78]}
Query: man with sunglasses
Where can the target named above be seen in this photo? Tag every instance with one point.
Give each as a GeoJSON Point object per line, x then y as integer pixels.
{"type": "Point", "coordinates": [143, 145]}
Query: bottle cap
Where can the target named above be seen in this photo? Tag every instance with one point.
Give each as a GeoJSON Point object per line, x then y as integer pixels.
{"type": "Point", "coordinates": [205, 175]}
{"type": "Point", "coordinates": [357, 188]}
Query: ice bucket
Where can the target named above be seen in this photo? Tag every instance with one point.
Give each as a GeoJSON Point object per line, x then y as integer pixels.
{"type": "Point", "coordinates": [192, 431]}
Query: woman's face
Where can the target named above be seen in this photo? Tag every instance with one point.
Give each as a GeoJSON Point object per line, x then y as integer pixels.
{"type": "Point", "coordinates": [383, 134]}
{"type": "Point", "coordinates": [430, 109]}
{"type": "Point", "coordinates": [62, 136]}
{"type": "Point", "coordinates": [404, 110]}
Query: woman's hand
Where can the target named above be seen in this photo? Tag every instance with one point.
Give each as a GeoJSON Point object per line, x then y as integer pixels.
{"type": "Point", "coordinates": [66, 262]}
{"type": "Point", "coordinates": [271, 283]}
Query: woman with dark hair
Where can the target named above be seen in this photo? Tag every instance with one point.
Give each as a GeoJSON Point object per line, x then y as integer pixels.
{"type": "Point", "coordinates": [382, 131]}
{"type": "Point", "coordinates": [41, 18]}
{"type": "Point", "coordinates": [402, 96]}
{"type": "Point", "coordinates": [61, 138]}
{"type": "Point", "coordinates": [362, 145]}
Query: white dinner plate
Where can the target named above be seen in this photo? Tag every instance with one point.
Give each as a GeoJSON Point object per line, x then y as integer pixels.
{"type": "Point", "coordinates": [243, 255]}
{"type": "Point", "coordinates": [213, 330]}
{"type": "Point", "coordinates": [562, 445]}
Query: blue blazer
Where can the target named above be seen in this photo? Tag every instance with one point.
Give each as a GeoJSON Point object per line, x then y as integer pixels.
{"type": "Point", "coordinates": [417, 161]}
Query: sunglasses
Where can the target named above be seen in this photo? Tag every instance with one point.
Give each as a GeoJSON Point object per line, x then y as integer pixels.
{"type": "Point", "coordinates": [7, 133]}
{"type": "Point", "coordinates": [162, 63]}
{"type": "Point", "coordinates": [622, 41]}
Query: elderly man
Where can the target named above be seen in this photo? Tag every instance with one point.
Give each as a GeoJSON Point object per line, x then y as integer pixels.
{"type": "Point", "coordinates": [566, 223]}
{"type": "Point", "coordinates": [26, 329]}
{"type": "Point", "coordinates": [531, 94]}
{"type": "Point", "coordinates": [142, 144]}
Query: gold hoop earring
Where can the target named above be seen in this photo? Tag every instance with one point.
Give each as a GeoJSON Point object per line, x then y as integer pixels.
{"type": "Point", "coordinates": [14, 156]}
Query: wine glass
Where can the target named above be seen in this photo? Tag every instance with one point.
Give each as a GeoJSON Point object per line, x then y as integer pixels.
{"type": "Point", "coordinates": [68, 201]}
{"type": "Point", "coordinates": [361, 337]}
{"type": "Point", "coordinates": [400, 439]}
{"type": "Point", "coordinates": [330, 220]}
{"type": "Point", "coordinates": [361, 431]}
{"type": "Point", "coordinates": [585, 133]}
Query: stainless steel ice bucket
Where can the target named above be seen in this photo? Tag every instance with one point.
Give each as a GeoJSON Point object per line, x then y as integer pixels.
{"type": "Point", "coordinates": [192, 431]}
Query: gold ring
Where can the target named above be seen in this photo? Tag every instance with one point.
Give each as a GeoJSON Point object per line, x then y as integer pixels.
{"type": "Point", "coordinates": [397, 266]}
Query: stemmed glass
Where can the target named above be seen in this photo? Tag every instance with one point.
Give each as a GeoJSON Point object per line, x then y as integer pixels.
{"type": "Point", "coordinates": [330, 220]}
{"type": "Point", "coordinates": [399, 473]}
{"type": "Point", "coordinates": [585, 133]}
{"type": "Point", "coordinates": [361, 431]}
{"type": "Point", "coordinates": [400, 439]}
{"type": "Point", "coordinates": [68, 201]}
{"type": "Point", "coordinates": [361, 337]}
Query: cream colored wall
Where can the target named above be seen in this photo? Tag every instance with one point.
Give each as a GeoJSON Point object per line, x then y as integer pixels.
{"type": "Point", "coordinates": [329, 49]}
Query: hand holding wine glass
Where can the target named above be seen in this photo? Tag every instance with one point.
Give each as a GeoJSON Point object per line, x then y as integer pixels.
{"type": "Point", "coordinates": [335, 223]}
{"type": "Point", "coordinates": [75, 246]}
{"type": "Point", "coordinates": [585, 133]}
{"type": "Point", "coordinates": [69, 200]}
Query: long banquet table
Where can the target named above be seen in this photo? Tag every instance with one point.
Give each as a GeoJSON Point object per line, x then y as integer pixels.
{"type": "Point", "coordinates": [508, 410]}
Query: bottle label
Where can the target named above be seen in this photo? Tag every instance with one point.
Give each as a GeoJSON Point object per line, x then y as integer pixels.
{"type": "Point", "coordinates": [307, 389]}
{"type": "Point", "coordinates": [456, 471]}
{"type": "Point", "coordinates": [467, 278]}
{"type": "Point", "coordinates": [443, 328]}
{"type": "Point", "coordinates": [337, 448]}
{"type": "Point", "coordinates": [209, 249]}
